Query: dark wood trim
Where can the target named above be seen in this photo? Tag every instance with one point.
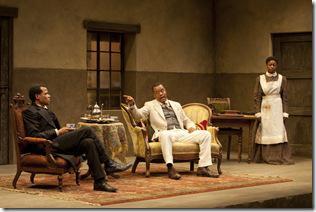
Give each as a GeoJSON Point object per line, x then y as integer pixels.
{"type": "Point", "coordinates": [10, 62]}
{"type": "Point", "coordinates": [301, 111]}
{"type": "Point", "coordinates": [286, 34]}
{"type": "Point", "coordinates": [12, 150]}
{"type": "Point", "coordinates": [294, 75]}
{"type": "Point", "coordinates": [6, 56]}
{"type": "Point", "coordinates": [111, 27]}
{"type": "Point", "coordinates": [299, 75]}
{"type": "Point", "coordinates": [8, 11]}
{"type": "Point", "coordinates": [122, 65]}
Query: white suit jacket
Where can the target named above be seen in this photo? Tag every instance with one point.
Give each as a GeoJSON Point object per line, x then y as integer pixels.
{"type": "Point", "coordinates": [152, 110]}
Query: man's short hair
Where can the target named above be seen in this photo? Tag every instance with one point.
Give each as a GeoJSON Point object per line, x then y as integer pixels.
{"type": "Point", "coordinates": [272, 58]}
{"type": "Point", "coordinates": [35, 90]}
{"type": "Point", "coordinates": [156, 84]}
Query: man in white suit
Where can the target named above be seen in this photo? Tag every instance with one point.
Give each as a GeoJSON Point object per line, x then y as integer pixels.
{"type": "Point", "coordinates": [172, 125]}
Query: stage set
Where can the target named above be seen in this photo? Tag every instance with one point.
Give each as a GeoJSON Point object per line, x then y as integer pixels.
{"type": "Point", "coordinates": [209, 56]}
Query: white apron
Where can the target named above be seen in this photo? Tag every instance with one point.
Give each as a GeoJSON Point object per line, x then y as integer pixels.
{"type": "Point", "coordinates": [272, 125]}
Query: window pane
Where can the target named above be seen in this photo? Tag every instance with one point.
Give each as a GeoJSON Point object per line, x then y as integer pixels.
{"type": "Point", "coordinates": [92, 79]}
{"type": "Point", "coordinates": [115, 99]}
{"type": "Point", "coordinates": [104, 79]}
{"type": "Point", "coordinates": [104, 61]}
{"type": "Point", "coordinates": [104, 98]}
{"type": "Point", "coordinates": [92, 41]}
{"type": "Point", "coordinates": [115, 42]}
{"type": "Point", "coordinates": [92, 60]}
{"type": "Point", "coordinates": [116, 79]}
{"type": "Point", "coordinates": [104, 41]}
{"type": "Point", "coordinates": [91, 96]}
{"type": "Point", "coordinates": [116, 61]}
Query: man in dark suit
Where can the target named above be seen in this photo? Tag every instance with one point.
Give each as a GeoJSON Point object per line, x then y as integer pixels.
{"type": "Point", "coordinates": [67, 142]}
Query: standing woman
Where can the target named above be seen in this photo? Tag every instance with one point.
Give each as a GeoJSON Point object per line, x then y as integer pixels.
{"type": "Point", "coordinates": [270, 95]}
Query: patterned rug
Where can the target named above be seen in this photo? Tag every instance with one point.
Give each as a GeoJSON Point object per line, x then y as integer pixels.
{"type": "Point", "coordinates": [133, 187]}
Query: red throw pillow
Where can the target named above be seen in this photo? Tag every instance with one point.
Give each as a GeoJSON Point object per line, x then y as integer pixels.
{"type": "Point", "coordinates": [202, 125]}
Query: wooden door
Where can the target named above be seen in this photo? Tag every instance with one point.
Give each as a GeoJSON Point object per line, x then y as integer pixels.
{"type": "Point", "coordinates": [6, 65]}
{"type": "Point", "coordinates": [294, 51]}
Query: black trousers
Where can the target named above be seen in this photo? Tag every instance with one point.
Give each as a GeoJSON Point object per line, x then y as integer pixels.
{"type": "Point", "coordinates": [84, 141]}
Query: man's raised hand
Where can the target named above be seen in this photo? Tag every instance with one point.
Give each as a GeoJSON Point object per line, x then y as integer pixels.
{"type": "Point", "coordinates": [129, 100]}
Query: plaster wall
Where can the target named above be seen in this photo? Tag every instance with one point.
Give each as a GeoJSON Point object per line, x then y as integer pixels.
{"type": "Point", "coordinates": [244, 27]}
{"type": "Point", "coordinates": [176, 36]}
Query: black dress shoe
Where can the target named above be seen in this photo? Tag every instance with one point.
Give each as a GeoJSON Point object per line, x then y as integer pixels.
{"type": "Point", "coordinates": [205, 172]}
{"type": "Point", "coordinates": [104, 187]}
{"type": "Point", "coordinates": [112, 166]}
{"type": "Point", "coordinates": [173, 174]}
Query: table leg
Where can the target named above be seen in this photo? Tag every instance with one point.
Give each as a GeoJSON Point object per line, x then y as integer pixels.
{"type": "Point", "coordinates": [251, 140]}
{"type": "Point", "coordinates": [228, 146]}
{"type": "Point", "coordinates": [239, 147]}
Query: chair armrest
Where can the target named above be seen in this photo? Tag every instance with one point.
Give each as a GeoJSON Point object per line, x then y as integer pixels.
{"type": "Point", "coordinates": [47, 146]}
{"type": "Point", "coordinates": [145, 139]}
{"type": "Point", "coordinates": [35, 140]}
{"type": "Point", "coordinates": [216, 129]}
{"type": "Point", "coordinates": [214, 133]}
{"type": "Point", "coordinates": [47, 143]}
{"type": "Point", "coordinates": [140, 141]}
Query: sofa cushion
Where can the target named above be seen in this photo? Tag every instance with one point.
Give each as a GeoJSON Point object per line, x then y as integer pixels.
{"type": "Point", "coordinates": [181, 148]}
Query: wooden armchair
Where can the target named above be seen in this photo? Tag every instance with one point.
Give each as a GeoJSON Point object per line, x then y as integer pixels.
{"type": "Point", "coordinates": [219, 105]}
{"type": "Point", "coordinates": [31, 162]}
{"type": "Point", "coordinates": [150, 152]}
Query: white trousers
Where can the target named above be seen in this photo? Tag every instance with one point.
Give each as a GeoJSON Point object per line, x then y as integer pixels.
{"type": "Point", "coordinates": [202, 137]}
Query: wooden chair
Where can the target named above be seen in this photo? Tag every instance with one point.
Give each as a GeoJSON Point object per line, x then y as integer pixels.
{"type": "Point", "coordinates": [31, 162]}
{"type": "Point", "coordinates": [219, 105]}
{"type": "Point", "coordinates": [149, 151]}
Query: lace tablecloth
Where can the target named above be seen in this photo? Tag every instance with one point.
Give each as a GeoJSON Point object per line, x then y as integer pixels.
{"type": "Point", "coordinates": [113, 137]}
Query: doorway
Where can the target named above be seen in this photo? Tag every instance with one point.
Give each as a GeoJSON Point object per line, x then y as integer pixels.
{"type": "Point", "coordinates": [7, 14]}
{"type": "Point", "coordinates": [294, 51]}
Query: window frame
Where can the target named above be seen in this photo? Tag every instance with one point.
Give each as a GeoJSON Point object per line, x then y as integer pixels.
{"type": "Point", "coordinates": [124, 29]}
{"type": "Point", "coordinates": [111, 91]}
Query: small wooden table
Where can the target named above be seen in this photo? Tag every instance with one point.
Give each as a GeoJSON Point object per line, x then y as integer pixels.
{"type": "Point", "coordinates": [238, 121]}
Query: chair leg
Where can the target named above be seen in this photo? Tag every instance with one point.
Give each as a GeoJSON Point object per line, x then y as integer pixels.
{"type": "Point", "coordinates": [32, 177]}
{"type": "Point", "coordinates": [78, 177]}
{"type": "Point", "coordinates": [192, 165]}
{"type": "Point", "coordinates": [219, 162]}
{"type": "Point", "coordinates": [137, 160]}
{"type": "Point", "coordinates": [60, 182]}
{"type": "Point", "coordinates": [17, 175]}
{"type": "Point", "coordinates": [147, 167]}
{"type": "Point", "coordinates": [228, 146]}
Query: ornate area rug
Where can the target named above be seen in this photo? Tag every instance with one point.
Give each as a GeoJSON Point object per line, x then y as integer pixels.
{"type": "Point", "coordinates": [133, 187]}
